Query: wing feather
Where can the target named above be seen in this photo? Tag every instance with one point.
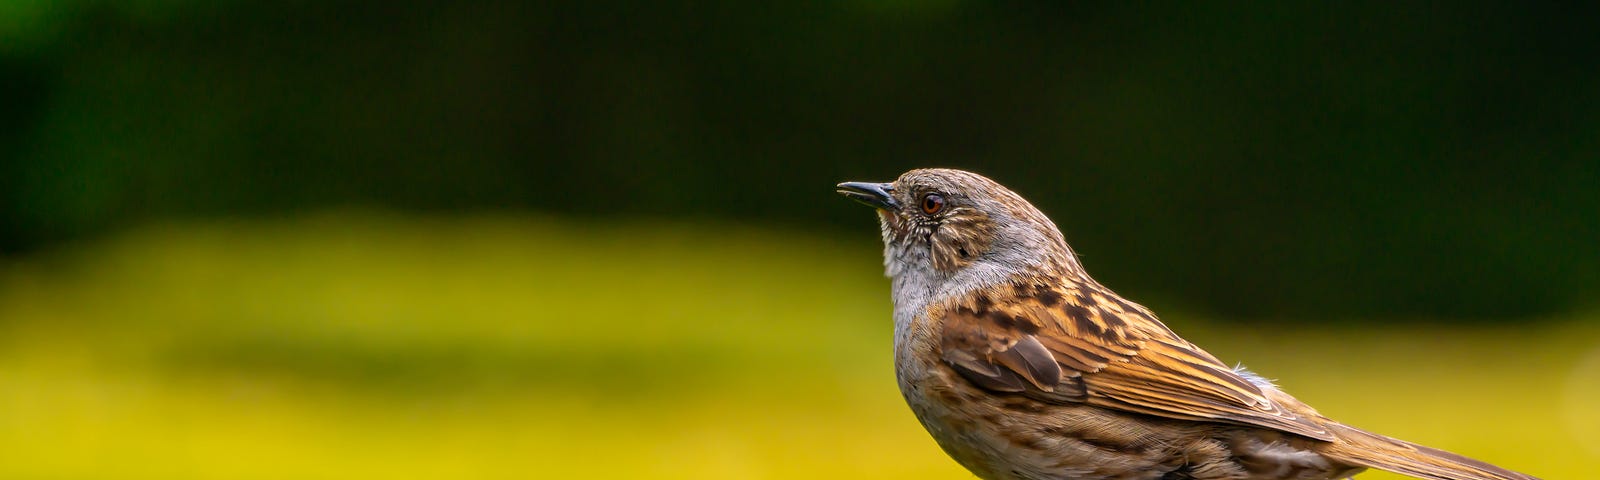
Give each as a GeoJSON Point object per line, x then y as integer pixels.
{"type": "Point", "coordinates": [1081, 343]}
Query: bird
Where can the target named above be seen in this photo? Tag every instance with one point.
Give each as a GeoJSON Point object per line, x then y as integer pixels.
{"type": "Point", "coordinates": [1022, 366]}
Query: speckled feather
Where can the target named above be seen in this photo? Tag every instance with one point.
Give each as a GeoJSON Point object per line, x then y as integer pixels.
{"type": "Point", "coordinates": [1021, 366]}
{"type": "Point", "coordinates": [1056, 340]}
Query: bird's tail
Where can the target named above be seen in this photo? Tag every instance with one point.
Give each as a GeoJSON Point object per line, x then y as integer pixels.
{"type": "Point", "coordinates": [1359, 447]}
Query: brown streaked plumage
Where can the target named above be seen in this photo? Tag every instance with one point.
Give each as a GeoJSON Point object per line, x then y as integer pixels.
{"type": "Point", "coordinates": [1021, 366]}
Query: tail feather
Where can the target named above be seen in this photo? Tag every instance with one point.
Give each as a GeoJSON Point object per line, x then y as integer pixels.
{"type": "Point", "coordinates": [1359, 447]}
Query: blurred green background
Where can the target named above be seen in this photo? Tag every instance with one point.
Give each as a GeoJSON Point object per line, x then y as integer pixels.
{"type": "Point", "coordinates": [428, 239]}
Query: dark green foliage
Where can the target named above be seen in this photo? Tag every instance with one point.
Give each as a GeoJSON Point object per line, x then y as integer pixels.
{"type": "Point", "coordinates": [1252, 160]}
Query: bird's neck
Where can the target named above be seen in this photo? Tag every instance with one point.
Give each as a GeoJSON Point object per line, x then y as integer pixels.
{"type": "Point", "coordinates": [916, 285]}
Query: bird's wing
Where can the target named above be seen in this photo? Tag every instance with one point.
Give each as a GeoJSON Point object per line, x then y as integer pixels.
{"type": "Point", "coordinates": [1081, 343]}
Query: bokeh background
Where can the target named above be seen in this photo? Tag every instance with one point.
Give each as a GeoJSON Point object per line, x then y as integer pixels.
{"type": "Point", "coordinates": [428, 239]}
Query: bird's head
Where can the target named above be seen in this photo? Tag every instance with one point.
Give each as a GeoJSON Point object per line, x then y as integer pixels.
{"type": "Point", "coordinates": [941, 223]}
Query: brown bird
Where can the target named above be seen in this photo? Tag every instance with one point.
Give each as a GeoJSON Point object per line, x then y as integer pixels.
{"type": "Point", "coordinates": [1021, 366]}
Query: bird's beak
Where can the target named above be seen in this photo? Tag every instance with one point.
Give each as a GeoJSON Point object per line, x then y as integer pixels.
{"type": "Point", "coordinates": [870, 194]}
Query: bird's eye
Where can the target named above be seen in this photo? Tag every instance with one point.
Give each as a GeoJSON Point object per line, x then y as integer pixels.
{"type": "Point", "coordinates": [932, 203]}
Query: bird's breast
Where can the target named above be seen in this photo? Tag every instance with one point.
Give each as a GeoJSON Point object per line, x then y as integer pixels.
{"type": "Point", "coordinates": [941, 407]}
{"type": "Point", "coordinates": [1007, 437]}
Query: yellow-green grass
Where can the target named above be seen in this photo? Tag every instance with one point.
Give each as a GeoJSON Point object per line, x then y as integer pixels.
{"type": "Point", "coordinates": [360, 345]}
